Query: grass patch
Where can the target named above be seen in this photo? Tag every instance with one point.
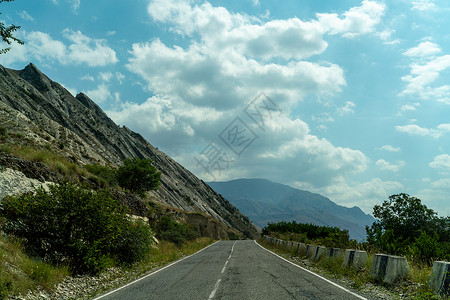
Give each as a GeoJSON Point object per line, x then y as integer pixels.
{"type": "Point", "coordinates": [56, 163]}
{"type": "Point", "coordinates": [20, 273]}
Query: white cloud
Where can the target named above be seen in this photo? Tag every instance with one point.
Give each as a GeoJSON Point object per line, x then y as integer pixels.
{"type": "Point", "coordinates": [230, 57]}
{"type": "Point", "coordinates": [105, 76]}
{"type": "Point", "coordinates": [409, 107]}
{"type": "Point", "coordinates": [26, 16]}
{"type": "Point", "coordinates": [357, 21]}
{"type": "Point", "coordinates": [93, 52]}
{"type": "Point", "coordinates": [390, 148]}
{"type": "Point", "coordinates": [384, 165]}
{"type": "Point", "coordinates": [386, 37]}
{"type": "Point", "coordinates": [423, 49]}
{"type": "Point", "coordinates": [41, 46]}
{"type": "Point", "coordinates": [443, 183]}
{"type": "Point", "coordinates": [425, 70]}
{"type": "Point", "coordinates": [100, 94]}
{"type": "Point", "coordinates": [423, 5]}
{"type": "Point", "coordinates": [75, 5]}
{"type": "Point", "coordinates": [413, 129]}
{"type": "Point", "coordinates": [347, 109]}
{"type": "Point", "coordinates": [441, 162]}
{"type": "Point", "coordinates": [88, 77]}
{"type": "Point", "coordinates": [364, 195]}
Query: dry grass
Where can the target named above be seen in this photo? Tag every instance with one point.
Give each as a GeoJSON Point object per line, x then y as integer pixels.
{"type": "Point", "coordinates": [19, 273]}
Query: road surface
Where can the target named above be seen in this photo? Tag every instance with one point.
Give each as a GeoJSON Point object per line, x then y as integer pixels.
{"type": "Point", "coordinates": [232, 270]}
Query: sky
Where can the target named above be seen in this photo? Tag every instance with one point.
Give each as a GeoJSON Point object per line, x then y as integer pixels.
{"type": "Point", "coordinates": [349, 99]}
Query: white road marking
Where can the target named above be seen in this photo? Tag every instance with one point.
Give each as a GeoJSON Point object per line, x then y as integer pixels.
{"type": "Point", "coordinates": [224, 267]}
{"type": "Point", "coordinates": [148, 275]}
{"type": "Point", "coordinates": [213, 293]}
{"type": "Point", "coordinates": [317, 275]}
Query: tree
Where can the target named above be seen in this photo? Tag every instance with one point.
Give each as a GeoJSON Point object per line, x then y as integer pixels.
{"type": "Point", "coordinates": [138, 176]}
{"type": "Point", "coordinates": [6, 33]}
{"type": "Point", "coordinates": [401, 220]}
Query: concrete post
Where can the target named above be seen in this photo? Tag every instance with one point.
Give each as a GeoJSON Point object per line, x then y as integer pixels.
{"type": "Point", "coordinates": [335, 252]}
{"type": "Point", "coordinates": [389, 268]}
{"type": "Point", "coordinates": [440, 278]}
{"type": "Point", "coordinates": [310, 250]}
{"type": "Point", "coordinates": [319, 253]}
{"type": "Point", "coordinates": [355, 258]}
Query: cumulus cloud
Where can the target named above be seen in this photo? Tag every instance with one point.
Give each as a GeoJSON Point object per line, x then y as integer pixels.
{"type": "Point", "coordinates": [413, 129]}
{"type": "Point", "coordinates": [99, 94]}
{"type": "Point", "coordinates": [387, 166]}
{"type": "Point", "coordinates": [201, 87]}
{"type": "Point", "coordinates": [93, 52]}
{"type": "Point", "coordinates": [441, 162]}
{"type": "Point", "coordinates": [423, 49]}
{"type": "Point", "coordinates": [355, 22]}
{"type": "Point", "coordinates": [390, 148]}
{"type": "Point", "coordinates": [80, 50]}
{"type": "Point", "coordinates": [425, 70]}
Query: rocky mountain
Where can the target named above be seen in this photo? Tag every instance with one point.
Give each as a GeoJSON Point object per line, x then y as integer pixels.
{"type": "Point", "coordinates": [44, 114]}
{"type": "Point", "coordinates": [264, 201]}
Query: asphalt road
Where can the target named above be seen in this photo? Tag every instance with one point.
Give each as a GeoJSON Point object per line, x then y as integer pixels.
{"type": "Point", "coordinates": [232, 270]}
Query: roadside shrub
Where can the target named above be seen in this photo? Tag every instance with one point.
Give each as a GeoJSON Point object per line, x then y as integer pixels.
{"type": "Point", "coordinates": [169, 230]}
{"type": "Point", "coordinates": [138, 176]}
{"type": "Point", "coordinates": [87, 230]}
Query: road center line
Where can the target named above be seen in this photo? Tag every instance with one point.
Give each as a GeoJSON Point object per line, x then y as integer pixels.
{"type": "Point", "coordinates": [223, 269]}
{"type": "Point", "coordinates": [213, 293]}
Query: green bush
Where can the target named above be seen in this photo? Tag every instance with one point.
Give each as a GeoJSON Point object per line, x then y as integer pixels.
{"type": "Point", "coordinates": [138, 176]}
{"type": "Point", "coordinates": [169, 230]}
{"type": "Point", "coordinates": [88, 230]}
{"type": "Point", "coordinates": [106, 175]}
{"type": "Point", "coordinates": [303, 232]}
{"type": "Point", "coordinates": [2, 131]}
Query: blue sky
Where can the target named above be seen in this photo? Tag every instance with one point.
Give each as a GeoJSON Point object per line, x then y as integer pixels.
{"type": "Point", "coordinates": [350, 99]}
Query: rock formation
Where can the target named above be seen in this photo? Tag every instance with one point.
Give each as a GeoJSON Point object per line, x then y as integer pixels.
{"type": "Point", "coordinates": [45, 113]}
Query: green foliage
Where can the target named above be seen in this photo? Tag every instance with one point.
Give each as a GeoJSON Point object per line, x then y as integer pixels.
{"type": "Point", "coordinates": [2, 131]}
{"type": "Point", "coordinates": [32, 272]}
{"type": "Point", "coordinates": [138, 176]}
{"type": "Point", "coordinates": [325, 235]}
{"type": "Point", "coordinates": [6, 33]}
{"type": "Point", "coordinates": [426, 248]}
{"type": "Point", "coordinates": [169, 230]}
{"type": "Point", "coordinates": [89, 230]}
{"type": "Point", "coordinates": [104, 175]}
{"type": "Point", "coordinates": [405, 226]}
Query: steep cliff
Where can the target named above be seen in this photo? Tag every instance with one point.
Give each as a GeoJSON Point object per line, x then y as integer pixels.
{"type": "Point", "coordinates": [45, 113]}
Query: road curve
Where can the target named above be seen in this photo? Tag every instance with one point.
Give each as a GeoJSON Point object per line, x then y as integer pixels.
{"type": "Point", "coordinates": [232, 270]}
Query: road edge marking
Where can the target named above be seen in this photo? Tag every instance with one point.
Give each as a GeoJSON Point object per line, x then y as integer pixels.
{"type": "Point", "coordinates": [311, 272]}
{"type": "Point", "coordinates": [153, 273]}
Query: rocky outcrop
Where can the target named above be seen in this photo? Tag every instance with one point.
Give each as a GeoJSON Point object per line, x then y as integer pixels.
{"type": "Point", "coordinates": [45, 113]}
{"type": "Point", "coordinates": [15, 182]}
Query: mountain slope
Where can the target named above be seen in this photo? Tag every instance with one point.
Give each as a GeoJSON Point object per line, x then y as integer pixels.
{"type": "Point", "coordinates": [265, 201]}
{"type": "Point", "coordinates": [46, 114]}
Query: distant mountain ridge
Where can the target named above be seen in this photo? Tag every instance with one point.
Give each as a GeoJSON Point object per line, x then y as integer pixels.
{"type": "Point", "coordinates": [265, 201]}
{"type": "Point", "coordinates": [46, 115]}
